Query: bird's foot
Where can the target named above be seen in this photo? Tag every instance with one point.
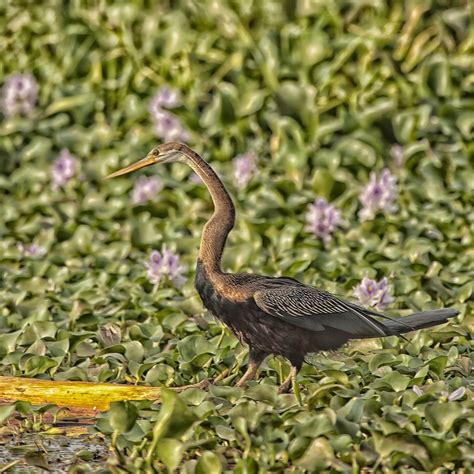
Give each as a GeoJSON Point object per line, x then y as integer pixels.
{"type": "Point", "coordinates": [203, 385]}
{"type": "Point", "coordinates": [249, 374]}
{"type": "Point", "coordinates": [242, 382]}
{"type": "Point", "coordinates": [285, 386]}
{"type": "Point", "coordinates": [289, 383]}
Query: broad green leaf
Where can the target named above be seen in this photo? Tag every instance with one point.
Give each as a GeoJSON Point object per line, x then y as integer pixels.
{"type": "Point", "coordinates": [396, 381]}
{"type": "Point", "coordinates": [441, 416]}
{"type": "Point", "coordinates": [122, 416]}
{"type": "Point", "coordinates": [208, 463]}
{"type": "Point", "coordinates": [170, 451]}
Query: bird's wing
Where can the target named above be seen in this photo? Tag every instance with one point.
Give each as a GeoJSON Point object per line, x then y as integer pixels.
{"type": "Point", "coordinates": [317, 310]}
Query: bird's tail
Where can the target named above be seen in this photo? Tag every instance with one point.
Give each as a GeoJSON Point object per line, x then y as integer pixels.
{"type": "Point", "coordinates": [424, 319]}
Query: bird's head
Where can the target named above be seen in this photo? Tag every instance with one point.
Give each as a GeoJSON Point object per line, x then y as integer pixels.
{"type": "Point", "coordinates": [165, 153]}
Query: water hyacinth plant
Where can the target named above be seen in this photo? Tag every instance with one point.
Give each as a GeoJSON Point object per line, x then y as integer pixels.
{"type": "Point", "coordinates": [18, 95]}
{"type": "Point", "coordinates": [373, 293]}
{"type": "Point", "coordinates": [145, 189]}
{"type": "Point", "coordinates": [445, 396]}
{"type": "Point", "coordinates": [109, 334]}
{"type": "Point", "coordinates": [164, 264]}
{"type": "Point", "coordinates": [396, 152]}
{"type": "Point", "coordinates": [166, 98]}
{"type": "Point", "coordinates": [379, 194]}
{"type": "Point", "coordinates": [168, 126]}
{"type": "Point", "coordinates": [64, 167]}
{"type": "Point", "coordinates": [31, 250]}
{"type": "Point", "coordinates": [327, 92]}
{"type": "Point", "coordinates": [322, 219]}
{"type": "Point", "coordinates": [194, 178]}
{"type": "Point", "coordinates": [244, 167]}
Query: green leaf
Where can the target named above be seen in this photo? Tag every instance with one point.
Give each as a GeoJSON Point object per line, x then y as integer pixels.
{"type": "Point", "coordinates": [317, 425]}
{"type": "Point", "coordinates": [225, 432]}
{"type": "Point", "coordinates": [170, 451]}
{"type": "Point", "coordinates": [122, 416]}
{"type": "Point", "coordinates": [8, 342]}
{"type": "Point", "coordinates": [317, 457]}
{"type": "Point", "coordinates": [442, 416]}
{"type": "Point", "coordinates": [67, 103]}
{"type": "Point", "coordinates": [381, 359]}
{"type": "Point", "coordinates": [440, 450]}
{"type": "Point", "coordinates": [396, 381]}
{"type": "Point", "coordinates": [262, 392]}
{"type": "Point", "coordinates": [208, 463]}
{"type": "Point", "coordinates": [6, 411]}
{"type": "Point", "coordinates": [134, 351]}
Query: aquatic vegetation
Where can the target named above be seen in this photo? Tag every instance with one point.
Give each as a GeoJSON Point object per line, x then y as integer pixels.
{"type": "Point", "coordinates": [373, 293]}
{"type": "Point", "coordinates": [63, 169]}
{"type": "Point", "coordinates": [164, 264]}
{"type": "Point", "coordinates": [326, 95]}
{"type": "Point", "coordinates": [244, 167]}
{"type": "Point", "coordinates": [145, 189]}
{"type": "Point", "coordinates": [18, 95]}
{"type": "Point", "coordinates": [379, 194]}
{"type": "Point", "coordinates": [322, 219]}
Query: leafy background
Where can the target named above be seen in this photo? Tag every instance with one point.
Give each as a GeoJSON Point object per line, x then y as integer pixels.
{"type": "Point", "coordinates": [320, 91]}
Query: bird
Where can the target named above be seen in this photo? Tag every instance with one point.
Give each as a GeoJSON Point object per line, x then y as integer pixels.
{"type": "Point", "coordinates": [273, 316]}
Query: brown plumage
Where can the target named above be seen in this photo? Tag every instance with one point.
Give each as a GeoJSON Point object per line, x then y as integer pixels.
{"type": "Point", "coordinates": [273, 316]}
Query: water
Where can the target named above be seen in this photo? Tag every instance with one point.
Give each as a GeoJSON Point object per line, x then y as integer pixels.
{"type": "Point", "coordinates": [40, 453]}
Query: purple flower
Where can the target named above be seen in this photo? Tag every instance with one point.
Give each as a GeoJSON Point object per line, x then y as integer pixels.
{"type": "Point", "coordinates": [171, 266]}
{"type": "Point", "coordinates": [165, 98]}
{"type": "Point", "coordinates": [194, 178]}
{"type": "Point", "coordinates": [168, 127]}
{"type": "Point", "coordinates": [322, 219]}
{"type": "Point", "coordinates": [145, 189]}
{"type": "Point", "coordinates": [244, 168]}
{"type": "Point", "coordinates": [396, 152]}
{"type": "Point", "coordinates": [154, 268]}
{"type": "Point", "coordinates": [64, 168]}
{"type": "Point", "coordinates": [372, 293]}
{"type": "Point", "coordinates": [19, 95]}
{"type": "Point", "coordinates": [31, 250]}
{"type": "Point", "coordinates": [378, 194]}
{"type": "Point", "coordinates": [164, 264]}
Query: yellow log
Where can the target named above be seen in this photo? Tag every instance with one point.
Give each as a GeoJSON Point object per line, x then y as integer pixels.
{"type": "Point", "coordinates": [87, 395]}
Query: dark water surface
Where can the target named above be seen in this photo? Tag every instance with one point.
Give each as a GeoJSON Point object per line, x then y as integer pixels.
{"type": "Point", "coordinates": [38, 452]}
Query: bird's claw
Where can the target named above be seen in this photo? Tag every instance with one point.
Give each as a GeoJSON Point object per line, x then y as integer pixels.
{"type": "Point", "coordinates": [284, 388]}
{"type": "Point", "coordinates": [203, 384]}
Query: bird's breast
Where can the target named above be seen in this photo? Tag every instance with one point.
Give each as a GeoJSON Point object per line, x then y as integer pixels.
{"type": "Point", "coordinates": [220, 285]}
{"type": "Point", "coordinates": [230, 309]}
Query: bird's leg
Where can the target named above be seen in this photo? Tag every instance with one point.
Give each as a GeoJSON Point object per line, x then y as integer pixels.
{"type": "Point", "coordinates": [255, 360]}
{"type": "Point", "coordinates": [286, 385]}
{"type": "Point", "coordinates": [249, 374]}
{"type": "Point", "coordinates": [290, 381]}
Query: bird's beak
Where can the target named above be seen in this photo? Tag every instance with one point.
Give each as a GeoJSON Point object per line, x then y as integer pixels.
{"type": "Point", "coordinates": [147, 161]}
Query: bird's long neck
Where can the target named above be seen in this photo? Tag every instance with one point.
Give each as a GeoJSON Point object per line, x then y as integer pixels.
{"type": "Point", "coordinates": [220, 224]}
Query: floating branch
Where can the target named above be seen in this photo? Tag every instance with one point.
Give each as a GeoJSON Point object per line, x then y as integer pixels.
{"type": "Point", "coordinates": [95, 396]}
